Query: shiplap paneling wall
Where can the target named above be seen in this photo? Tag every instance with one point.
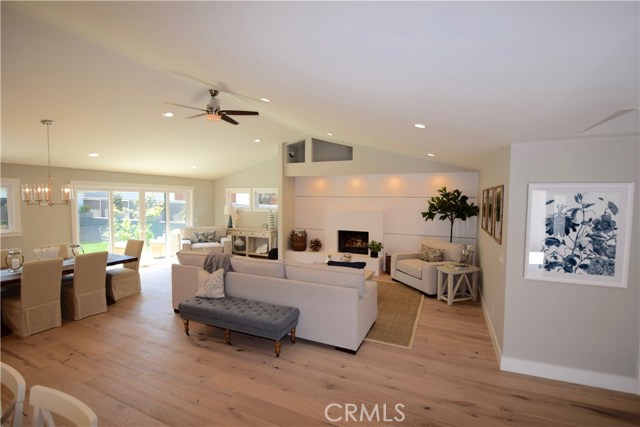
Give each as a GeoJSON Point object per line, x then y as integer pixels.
{"type": "Point", "coordinates": [401, 197]}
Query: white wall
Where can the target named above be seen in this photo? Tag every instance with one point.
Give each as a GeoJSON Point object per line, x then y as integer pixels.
{"type": "Point", "coordinates": [577, 333]}
{"type": "Point", "coordinates": [400, 197]}
{"type": "Point", "coordinates": [261, 175]}
{"type": "Point", "coordinates": [366, 160]}
{"type": "Point", "coordinates": [491, 255]}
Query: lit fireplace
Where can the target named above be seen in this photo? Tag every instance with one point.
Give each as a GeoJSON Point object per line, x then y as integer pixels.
{"type": "Point", "coordinates": [355, 242]}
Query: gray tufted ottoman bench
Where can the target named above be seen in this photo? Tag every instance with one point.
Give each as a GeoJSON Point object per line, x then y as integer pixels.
{"type": "Point", "coordinates": [242, 315]}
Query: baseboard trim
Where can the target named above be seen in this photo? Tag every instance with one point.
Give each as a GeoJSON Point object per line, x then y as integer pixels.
{"type": "Point", "coordinates": [560, 373]}
{"type": "Point", "coordinates": [572, 375]}
{"type": "Point", "coordinates": [492, 333]}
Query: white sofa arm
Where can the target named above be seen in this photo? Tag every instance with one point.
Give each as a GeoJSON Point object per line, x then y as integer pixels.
{"type": "Point", "coordinates": [396, 256]}
{"type": "Point", "coordinates": [185, 244]}
{"type": "Point", "coordinates": [226, 244]}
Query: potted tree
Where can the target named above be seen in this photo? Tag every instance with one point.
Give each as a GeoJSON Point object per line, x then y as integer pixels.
{"type": "Point", "coordinates": [450, 205]}
{"type": "Point", "coordinates": [375, 247]}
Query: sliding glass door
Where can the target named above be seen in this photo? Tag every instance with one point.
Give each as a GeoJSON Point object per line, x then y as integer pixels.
{"type": "Point", "coordinates": [92, 221]}
{"type": "Point", "coordinates": [107, 218]}
{"type": "Point", "coordinates": [125, 211]}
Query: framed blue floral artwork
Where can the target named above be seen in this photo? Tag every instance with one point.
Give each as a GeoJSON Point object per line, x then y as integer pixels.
{"type": "Point", "coordinates": [579, 233]}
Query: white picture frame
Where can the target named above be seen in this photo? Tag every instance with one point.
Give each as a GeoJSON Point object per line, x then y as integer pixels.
{"type": "Point", "coordinates": [579, 233]}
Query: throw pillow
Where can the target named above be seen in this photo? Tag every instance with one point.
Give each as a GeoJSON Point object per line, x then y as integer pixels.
{"type": "Point", "coordinates": [430, 254]}
{"type": "Point", "coordinates": [204, 236]}
{"type": "Point", "coordinates": [211, 285]}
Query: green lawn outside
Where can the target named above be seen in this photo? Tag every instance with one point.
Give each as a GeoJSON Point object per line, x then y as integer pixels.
{"type": "Point", "coordinates": [95, 247]}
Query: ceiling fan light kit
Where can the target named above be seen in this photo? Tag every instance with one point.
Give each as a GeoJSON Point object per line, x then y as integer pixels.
{"type": "Point", "coordinates": [213, 112]}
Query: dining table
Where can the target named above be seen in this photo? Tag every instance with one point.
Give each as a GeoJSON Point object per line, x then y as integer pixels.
{"type": "Point", "coordinates": [10, 279]}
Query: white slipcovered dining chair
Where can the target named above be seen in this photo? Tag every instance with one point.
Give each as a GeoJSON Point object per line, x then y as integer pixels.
{"type": "Point", "coordinates": [83, 292]}
{"type": "Point", "coordinates": [125, 281]}
{"type": "Point", "coordinates": [37, 308]}
{"type": "Point", "coordinates": [63, 249]}
{"type": "Point", "coordinates": [15, 382]}
{"type": "Point", "coordinates": [46, 401]}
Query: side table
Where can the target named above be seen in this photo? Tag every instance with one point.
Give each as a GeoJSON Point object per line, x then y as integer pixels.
{"type": "Point", "coordinates": [458, 285]}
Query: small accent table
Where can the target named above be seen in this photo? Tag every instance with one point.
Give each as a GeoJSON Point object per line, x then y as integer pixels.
{"type": "Point", "coordinates": [458, 285]}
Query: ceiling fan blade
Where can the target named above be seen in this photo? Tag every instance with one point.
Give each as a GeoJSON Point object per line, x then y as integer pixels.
{"type": "Point", "coordinates": [185, 106]}
{"type": "Point", "coordinates": [197, 115]}
{"type": "Point", "coordinates": [611, 117]}
{"type": "Point", "coordinates": [240, 113]}
{"type": "Point", "coordinates": [228, 119]}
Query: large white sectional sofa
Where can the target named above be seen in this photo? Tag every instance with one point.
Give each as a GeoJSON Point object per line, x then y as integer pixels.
{"type": "Point", "coordinates": [189, 242]}
{"type": "Point", "coordinates": [337, 305]}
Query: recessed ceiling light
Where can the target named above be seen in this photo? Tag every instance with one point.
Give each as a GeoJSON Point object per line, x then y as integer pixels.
{"type": "Point", "coordinates": [431, 155]}
{"type": "Point", "coordinates": [265, 100]}
{"type": "Point", "coordinates": [194, 167]}
{"type": "Point", "coordinates": [257, 140]}
{"type": "Point", "coordinates": [93, 154]}
{"type": "Point", "coordinates": [420, 126]}
{"type": "Point", "coordinates": [329, 133]}
{"type": "Point", "coordinates": [167, 114]}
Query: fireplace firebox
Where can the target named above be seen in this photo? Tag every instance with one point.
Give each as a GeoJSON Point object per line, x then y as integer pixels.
{"type": "Point", "coordinates": [355, 242]}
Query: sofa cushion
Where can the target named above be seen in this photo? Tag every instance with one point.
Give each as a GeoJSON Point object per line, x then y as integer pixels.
{"type": "Point", "coordinates": [410, 266]}
{"type": "Point", "coordinates": [191, 258]}
{"type": "Point", "coordinates": [451, 251]}
{"type": "Point", "coordinates": [430, 254]}
{"type": "Point", "coordinates": [211, 285]}
{"type": "Point", "coordinates": [324, 274]}
{"type": "Point", "coordinates": [187, 232]}
{"type": "Point", "coordinates": [259, 267]}
{"type": "Point", "coordinates": [207, 247]}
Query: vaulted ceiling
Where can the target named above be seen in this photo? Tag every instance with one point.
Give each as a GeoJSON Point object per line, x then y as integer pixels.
{"type": "Point", "coordinates": [479, 75]}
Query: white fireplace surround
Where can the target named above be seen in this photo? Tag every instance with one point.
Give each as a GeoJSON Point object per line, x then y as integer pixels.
{"type": "Point", "coordinates": [370, 220]}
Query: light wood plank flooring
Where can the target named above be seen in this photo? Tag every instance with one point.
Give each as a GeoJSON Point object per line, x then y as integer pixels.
{"type": "Point", "coordinates": [134, 365]}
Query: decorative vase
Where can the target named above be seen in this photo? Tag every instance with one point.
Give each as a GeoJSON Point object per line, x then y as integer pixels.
{"type": "Point", "coordinates": [14, 259]}
{"type": "Point", "coordinates": [76, 250]}
{"type": "Point", "coordinates": [271, 223]}
{"type": "Point", "coordinates": [239, 243]}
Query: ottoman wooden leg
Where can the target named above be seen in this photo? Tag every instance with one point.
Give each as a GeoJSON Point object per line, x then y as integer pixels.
{"type": "Point", "coordinates": [277, 346]}
{"type": "Point", "coordinates": [293, 335]}
{"type": "Point", "coordinates": [186, 326]}
{"type": "Point", "coordinates": [227, 336]}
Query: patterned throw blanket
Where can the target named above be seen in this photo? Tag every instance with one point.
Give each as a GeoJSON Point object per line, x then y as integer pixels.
{"type": "Point", "coordinates": [216, 261]}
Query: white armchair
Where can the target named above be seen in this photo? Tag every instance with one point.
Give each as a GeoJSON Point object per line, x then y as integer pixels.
{"type": "Point", "coordinates": [189, 241]}
{"type": "Point", "coordinates": [408, 268]}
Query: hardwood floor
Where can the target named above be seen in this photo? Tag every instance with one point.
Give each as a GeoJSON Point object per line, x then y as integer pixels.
{"type": "Point", "coordinates": [134, 365]}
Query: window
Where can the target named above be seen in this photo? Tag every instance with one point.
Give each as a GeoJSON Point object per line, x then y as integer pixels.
{"type": "Point", "coordinates": [107, 215]}
{"type": "Point", "coordinates": [239, 198]}
{"type": "Point", "coordinates": [265, 199]}
{"type": "Point", "coordinates": [10, 208]}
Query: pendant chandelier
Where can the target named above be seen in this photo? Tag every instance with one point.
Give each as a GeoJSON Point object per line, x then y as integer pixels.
{"type": "Point", "coordinates": [40, 194]}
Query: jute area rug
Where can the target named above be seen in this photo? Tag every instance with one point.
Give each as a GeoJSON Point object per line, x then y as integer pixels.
{"type": "Point", "coordinates": [398, 313]}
